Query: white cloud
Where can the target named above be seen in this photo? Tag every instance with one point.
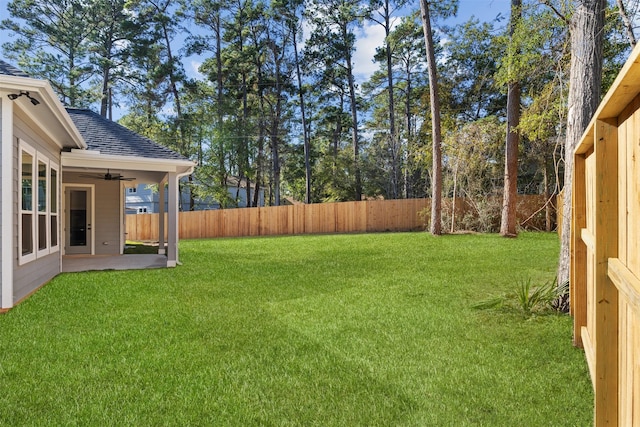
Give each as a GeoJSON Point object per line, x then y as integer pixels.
{"type": "Point", "coordinates": [195, 66]}
{"type": "Point", "coordinates": [368, 37]}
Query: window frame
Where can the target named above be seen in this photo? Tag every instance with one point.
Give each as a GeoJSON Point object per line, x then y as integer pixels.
{"type": "Point", "coordinates": [45, 213]}
{"type": "Point", "coordinates": [28, 257]}
{"type": "Point", "coordinates": [41, 214]}
{"type": "Point", "coordinates": [53, 166]}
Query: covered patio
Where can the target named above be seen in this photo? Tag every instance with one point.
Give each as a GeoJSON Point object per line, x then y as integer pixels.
{"type": "Point", "coordinates": [94, 184]}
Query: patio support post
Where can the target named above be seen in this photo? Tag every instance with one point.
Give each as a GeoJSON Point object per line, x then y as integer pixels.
{"type": "Point", "coordinates": [6, 193]}
{"type": "Point", "coordinates": [172, 235]}
{"type": "Point", "coordinates": [161, 211]}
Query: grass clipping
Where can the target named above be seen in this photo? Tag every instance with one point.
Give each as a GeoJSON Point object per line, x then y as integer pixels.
{"type": "Point", "coordinates": [529, 299]}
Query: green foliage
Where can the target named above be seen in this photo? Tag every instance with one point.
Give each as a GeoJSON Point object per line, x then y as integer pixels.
{"type": "Point", "coordinates": [531, 298]}
{"type": "Point", "coordinates": [468, 81]}
{"type": "Point", "coordinates": [53, 43]}
{"type": "Point", "coordinates": [528, 298]}
{"type": "Point", "coordinates": [350, 330]}
{"type": "Point", "coordinates": [241, 116]}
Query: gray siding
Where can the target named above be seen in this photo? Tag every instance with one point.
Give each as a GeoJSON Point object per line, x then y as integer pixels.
{"type": "Point", "coordinates": [2, 197]}
{"type": "Point", "coordinates": [107, 225]}
{"type": "Point", "coordinates": [32, 275]}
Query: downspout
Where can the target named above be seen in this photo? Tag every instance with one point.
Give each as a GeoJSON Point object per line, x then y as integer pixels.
{"type": "Point", "coordinates": [6, 215]}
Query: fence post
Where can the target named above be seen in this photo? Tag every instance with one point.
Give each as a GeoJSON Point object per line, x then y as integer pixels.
{"type": "Point", "coordinates": [578, 278]}
{"type": "Point", "coordinates": [606, 293]}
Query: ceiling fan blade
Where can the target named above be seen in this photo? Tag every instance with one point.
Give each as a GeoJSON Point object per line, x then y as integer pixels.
{"type": "Point", "coordinates": [108, 177]}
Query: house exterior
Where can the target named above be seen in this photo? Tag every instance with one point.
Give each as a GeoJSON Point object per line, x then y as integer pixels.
{"type": "Point", "coordinates": [61, 186]}
{"type": "Point", "coordinates": [141, 198]}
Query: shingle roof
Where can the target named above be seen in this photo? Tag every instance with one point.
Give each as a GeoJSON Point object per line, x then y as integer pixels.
{"type": "Point", "coordinates": [9, 70]}
{"type": "Point", "coordinates": [111, 138]}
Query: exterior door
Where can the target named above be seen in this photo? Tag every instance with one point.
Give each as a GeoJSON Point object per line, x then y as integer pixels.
{"type": "Point", "coordinates": [78, 220]}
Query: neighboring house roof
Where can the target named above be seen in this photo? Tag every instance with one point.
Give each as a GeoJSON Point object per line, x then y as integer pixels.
{"type": "Point", "coordinates": [234, 181]}
{"type": "Point", "coordinates": [111, 138]}
{"type": "Point", "coordinates": [9, 70]}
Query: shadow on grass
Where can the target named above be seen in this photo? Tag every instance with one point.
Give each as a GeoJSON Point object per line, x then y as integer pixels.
{"type": "Point", "coordinates": [140, 248]}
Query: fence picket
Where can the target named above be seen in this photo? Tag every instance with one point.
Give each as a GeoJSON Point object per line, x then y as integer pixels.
{"type": "Point", "coordinates": [346, 217]}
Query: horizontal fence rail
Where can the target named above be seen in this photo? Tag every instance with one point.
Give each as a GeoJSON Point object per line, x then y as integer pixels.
{"type": "Point", "coordinates": [322, 218]}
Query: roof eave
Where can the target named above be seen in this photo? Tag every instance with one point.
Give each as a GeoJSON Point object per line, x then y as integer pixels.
{"type": "Point", "coordinates": [94, 159]}
{"type": "Point", "coordinates": [70, 136]}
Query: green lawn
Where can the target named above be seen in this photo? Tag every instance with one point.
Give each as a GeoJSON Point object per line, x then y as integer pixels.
{"type": "Point", "coordinates": [350, 330]}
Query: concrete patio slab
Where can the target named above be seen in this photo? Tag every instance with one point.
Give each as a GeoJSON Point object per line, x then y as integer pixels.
{"type": "Point", "coordinates": [76, 263]}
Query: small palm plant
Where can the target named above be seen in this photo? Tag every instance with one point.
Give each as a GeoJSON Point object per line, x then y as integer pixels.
{"type": "Point", "coordinates": [528, 298]}
{"type": "Point", "coordinates": [533, 298]}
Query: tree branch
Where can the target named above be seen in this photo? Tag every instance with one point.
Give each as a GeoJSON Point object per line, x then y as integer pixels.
{"type": "Point", "coordinates": [555, 10]}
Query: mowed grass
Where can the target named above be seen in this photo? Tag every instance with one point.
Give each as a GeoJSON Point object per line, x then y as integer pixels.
{"type": "Point", "coordinates": [350, 330]}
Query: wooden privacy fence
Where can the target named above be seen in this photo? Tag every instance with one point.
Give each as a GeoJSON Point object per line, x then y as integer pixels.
{"type": "Point", "coordinates": [346, 217]}
{"type": "Point", "coordinates": [605, 251]}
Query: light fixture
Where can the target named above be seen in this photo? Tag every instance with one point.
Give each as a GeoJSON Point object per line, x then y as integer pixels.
{"type": "Point", "coordinates": [14, 96]}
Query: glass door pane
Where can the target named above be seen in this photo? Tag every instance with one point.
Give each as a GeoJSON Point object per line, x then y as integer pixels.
{"type": "Point", "coordinates": [78, 218]}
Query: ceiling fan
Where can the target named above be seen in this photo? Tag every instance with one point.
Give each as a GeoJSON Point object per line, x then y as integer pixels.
{"type": "Point", "coordinates": [109, 177]}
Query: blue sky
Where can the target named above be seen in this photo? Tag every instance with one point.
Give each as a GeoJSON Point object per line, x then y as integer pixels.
{"type": "Point", "coordinates": [371, 34]}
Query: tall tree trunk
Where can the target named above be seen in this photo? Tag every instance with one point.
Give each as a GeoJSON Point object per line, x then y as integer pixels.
{"type": "Point", "coordinates": [222, 167]}
{"type": "Point", "coordinates": [510, 192]}
{"type": "Point", "coordinates": [547, 196]}
{"type": "Point", "coordinates": [354, 118]}
{"type": "Point", "coordinates": [585, 80]}
{"type": "Point", "coordinates": [261, 123]}
{"type": "Point", "coordinates": [275, 126]}
{"type": "Point", "coordinates": [628, 25]}
{"type": "Point", "coordinates": [454, 199]}
{"type": "Point", "coordinates": [436, 178]}
{"type": "Point", "coordinates": [173, 85]}
{"type": "Point", "coordinates": [104, 101]}
{"type": "Point", "coordinates": [305, 130]}
{"type": "Point", "coordinates": [393, 137]}
{"type": "Point", "coordinates": [408, 181]}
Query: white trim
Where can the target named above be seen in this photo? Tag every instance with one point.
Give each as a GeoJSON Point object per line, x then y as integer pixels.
{"type": "Point", "coordinates": [45, 94]}
{"type": "Point", "coordinates": [93, 214]}
{"type": "Point", "coordinates": [36, 214]}
{"type": "Point", "coordinates": [123, 218]}
{"type": "Point", "coordinates": [172, 220]}
{"type": "Point", "coordinates": [6, 193]}
{"type": "Point", "coordinates": [54, 166]}
{"type": "Point", "coordinates": [92, 159]}
{"type": "Point", "coordinates": [26, 148]}
{"type": "Point", "coordinates": [41, 158]}
{"type": "Point", "coordinates": [161, 215]}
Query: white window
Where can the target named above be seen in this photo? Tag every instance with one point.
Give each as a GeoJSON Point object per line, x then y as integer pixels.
{"type": "Point", "coordinates": [142, 210]}
{"type": "Point", "coordinates": [43, 202]}
{"type": "Point", "coordinates": [38, 219]}
{"type": "Point", "coordinates": [132, 190]}
{"type": "Point", "coordinates": [26, 221]}
{"type": "Point", "coordinates": [54, 173]}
